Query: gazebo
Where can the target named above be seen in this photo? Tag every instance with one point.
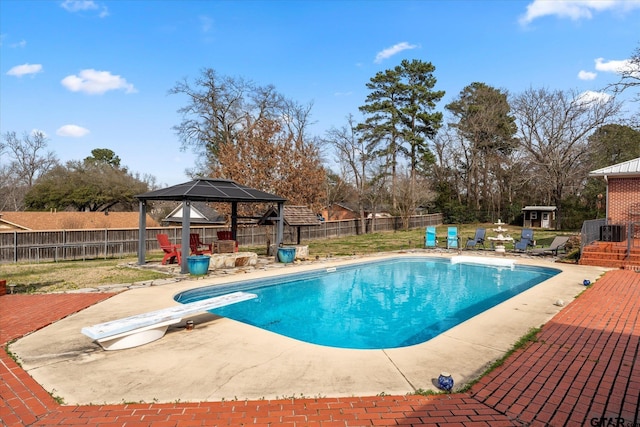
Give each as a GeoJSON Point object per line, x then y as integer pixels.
{"type": "Point", "coordinates": [206, 190]}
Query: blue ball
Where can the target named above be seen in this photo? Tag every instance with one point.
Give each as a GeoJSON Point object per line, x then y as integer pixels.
{"type": "Point", "coordinates": [586, 282]}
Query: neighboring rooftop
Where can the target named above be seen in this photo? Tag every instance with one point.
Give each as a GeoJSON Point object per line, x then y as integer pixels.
{"type": "Point", "coordinates": [53, 220]}
{"type": "Point", "coordinates": [200, 213]}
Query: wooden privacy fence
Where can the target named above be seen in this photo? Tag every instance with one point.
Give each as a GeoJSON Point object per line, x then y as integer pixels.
{"type": "Point", "coordinates": [57, 245]}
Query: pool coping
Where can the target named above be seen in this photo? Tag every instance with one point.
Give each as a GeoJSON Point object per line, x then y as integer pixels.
{"type": "Point", "coordinates": [226, 360]}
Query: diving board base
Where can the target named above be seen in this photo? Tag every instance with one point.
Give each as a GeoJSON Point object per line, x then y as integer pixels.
{"type": "Point", "coordinates": [136, 337]}
{"type": "Point", "coordinates": [144, 328]}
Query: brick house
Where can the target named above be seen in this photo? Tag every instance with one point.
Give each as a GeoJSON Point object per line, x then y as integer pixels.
{"type": "Point", "coordinates": [618, 245]}
{"type": "Point", "coordinates": [623, 191]}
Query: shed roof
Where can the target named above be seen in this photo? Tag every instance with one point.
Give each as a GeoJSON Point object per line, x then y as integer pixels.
{"type": "Point", "coordinates": [211, 190]}
{"type": "Point", "coordinates": [628, 168]}
{"type": "Point", "coordinates": [540, 208]}
{"type": "Point", "coordinates": [293, 216]}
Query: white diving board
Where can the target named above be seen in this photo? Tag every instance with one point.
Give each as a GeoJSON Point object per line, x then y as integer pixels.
{"type": "Point", "coordinates": [144, 328]}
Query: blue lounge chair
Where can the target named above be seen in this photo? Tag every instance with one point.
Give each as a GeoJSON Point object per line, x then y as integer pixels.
{"type": "Point", "coordinates": [452, 238]}
{"type": "Point", "coordinates": [478, 239]}
{"type": "Point", "coordinates": [430, 240]}
{"type": "Point", "coordinates": [526, 240]}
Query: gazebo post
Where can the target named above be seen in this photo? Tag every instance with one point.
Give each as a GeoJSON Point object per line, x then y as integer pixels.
{"type": "Point", "coordinates": [142, 232]}
{"type": "Point", "coordinates": [234, 220]}
{"type": "Point", "coordinates": [280, 233]}
{"type": "Point", "coordinates": [186, 229]}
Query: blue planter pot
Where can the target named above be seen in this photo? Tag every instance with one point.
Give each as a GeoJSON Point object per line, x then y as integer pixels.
{"type": "Point", "coordinates": [198, 264]}
{"type": "Point", "coordinates": [445, 381]}
{"type": "Point", "coordinates": [286, 255]}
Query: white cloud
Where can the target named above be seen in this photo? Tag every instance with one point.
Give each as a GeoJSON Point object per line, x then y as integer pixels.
{"type": "Point", "coordinates": [590, 97]}
{"type": "Point", "coordinates": [24, 69]}
{"type": "Point", "coordinates": [615, 66]}
{"type": "Point", "coordinates": [84, 5]}
{"type": "Point", "coordinates": [78, 5]}
{"type": "Point", "coordinates": [587, 75]}
{"type": "Point", "coordinates": [574, 9]}
{"type": "Point", "coordinates": [390, 51]}
{"type": "Point", "coordinates": [72, 131]}
{"type": "Point", "coordinates": [95, 82]}
{"type": "Point", "coordinates": [21, 43]}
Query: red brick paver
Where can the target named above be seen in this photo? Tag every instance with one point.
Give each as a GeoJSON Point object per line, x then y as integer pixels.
{"type": "Point", "coordinates": [584, 366]}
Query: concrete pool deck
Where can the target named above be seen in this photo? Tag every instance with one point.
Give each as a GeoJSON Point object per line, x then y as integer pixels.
{"type": "Point", "coordinates": [226, 360]}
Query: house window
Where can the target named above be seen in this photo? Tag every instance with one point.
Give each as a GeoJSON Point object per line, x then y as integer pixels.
{"type": "Point", "coordinates": [534, 215]}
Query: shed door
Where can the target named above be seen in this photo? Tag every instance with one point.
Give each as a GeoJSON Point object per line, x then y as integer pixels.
{"type": "Point", "coordinates": [545, 220]}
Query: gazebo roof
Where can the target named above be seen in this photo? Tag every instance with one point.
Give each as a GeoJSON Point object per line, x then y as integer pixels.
{"type": "Point", "coordinates": [211, 190]}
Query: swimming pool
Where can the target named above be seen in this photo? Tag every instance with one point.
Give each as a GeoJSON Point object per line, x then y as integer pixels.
{"type": "Point", "coordinates": [392, 303]}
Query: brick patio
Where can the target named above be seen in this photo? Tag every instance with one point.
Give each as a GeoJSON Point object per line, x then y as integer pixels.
{"type": "Point", "coordinates": [584, 366]}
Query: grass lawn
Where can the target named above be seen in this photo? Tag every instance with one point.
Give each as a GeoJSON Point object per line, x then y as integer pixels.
{"type": "Point", "coordinates": [46, 277]}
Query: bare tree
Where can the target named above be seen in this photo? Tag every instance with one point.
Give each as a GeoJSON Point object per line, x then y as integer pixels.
{"type": "Point", "coordinates": [218, 108]}
{"type": "Point", "coordinates": [410, 195]}
{"type": "Point", "coordinates": [354, 156]}
{"type": "Point", "coordinates": [251, 134]}
{"type": "Point", "coordinates": [483, 121]}
{"type": "Point", "coordinates": [553, 129]}
{"type": "Point", "coordinates": [28, 160]}
{"type": "Point", "coordinates": [338, 190]}
{"type": "Point", "coordinates": [629, 75]}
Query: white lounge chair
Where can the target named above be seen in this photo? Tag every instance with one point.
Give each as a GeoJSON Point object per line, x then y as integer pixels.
{"type": "Point", "coordinates": [144, 328]}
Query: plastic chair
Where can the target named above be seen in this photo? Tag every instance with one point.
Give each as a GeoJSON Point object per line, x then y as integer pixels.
{"type": "Point", "coordinates": [452, 238]}
{"type": "Point", "coordinates": [430, 240]}
{"type": "Point", "coordinates": [198, 247]}
{"type": "Point", "coordinates": [478, 239]}
{"type": "Point", "coordinates": [171, 251]}
{"type": "Point", "coordinates": [526, 240]}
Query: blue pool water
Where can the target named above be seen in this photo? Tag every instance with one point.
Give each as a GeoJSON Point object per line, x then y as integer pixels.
{"type": "Point", "coordinates": [386, 304]}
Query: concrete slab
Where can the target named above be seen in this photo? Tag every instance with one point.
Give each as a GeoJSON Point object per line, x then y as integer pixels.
{"type": "Point", "coordinates": [225, 360]}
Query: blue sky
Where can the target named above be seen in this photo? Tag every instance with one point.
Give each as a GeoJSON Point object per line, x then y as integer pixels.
{"type": "Point", "coordinates": [96, 74]}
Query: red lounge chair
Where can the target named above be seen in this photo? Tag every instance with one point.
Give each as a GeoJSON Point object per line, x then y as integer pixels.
{"type": "Point", "coordinates": [171, 251]}
{"type": "Point", "coordinates": [198, 247]}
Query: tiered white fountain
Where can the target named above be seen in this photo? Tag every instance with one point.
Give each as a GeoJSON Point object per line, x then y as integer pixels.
{"type": "Point", "coordinates": [500, 239]}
